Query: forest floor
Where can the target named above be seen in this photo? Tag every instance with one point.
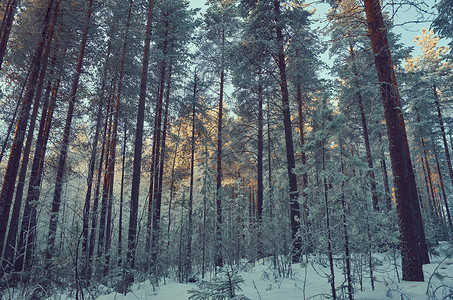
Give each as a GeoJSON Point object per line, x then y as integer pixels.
{"type": "Point", "coordinates": [261, 281]}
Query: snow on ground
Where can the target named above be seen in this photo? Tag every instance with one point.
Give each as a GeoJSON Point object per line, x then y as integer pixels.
{"type": "Point", "coordinates": [309, 281]}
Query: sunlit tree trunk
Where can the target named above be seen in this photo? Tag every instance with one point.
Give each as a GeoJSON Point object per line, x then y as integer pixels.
{"type": "Point", "coordinates": [12, 168]}
{"type": "Point", "coordinates": [6, 25]}
{"type": "Point", "coordinates": [27, 235]}
{"type": "Point", "coordinates": [407, 200]}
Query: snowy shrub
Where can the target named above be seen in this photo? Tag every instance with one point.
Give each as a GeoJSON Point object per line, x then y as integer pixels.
{"type": "Point", "coordinates": [221, 289]}
{"type": "Point", "coordinates": [123, 282]}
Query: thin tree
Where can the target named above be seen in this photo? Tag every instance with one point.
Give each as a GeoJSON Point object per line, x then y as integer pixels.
{"type": "Point", "coordinates": [133, 216]}
{"type": "Point", "coordinates": [192, 164]}
{"type": "Point", "coordinates": [65, 141]}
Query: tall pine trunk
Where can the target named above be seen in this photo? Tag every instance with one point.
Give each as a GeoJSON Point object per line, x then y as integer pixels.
{"type": "Point", "coordinates": [407, 200]}
{"type": "Point", "coordinates": [91, 168]}
{"type": "Point", "coordinates": [111, 167]}
{"type": "Point", "coordinates": [157, 157]}
{"type": "Point", "coordinates": [192, 165]}
{"type": "Point", "coordinates": [6, 25]}
{"type": "Point", "coordinates": [65, 142]}
{"type": "Point", "coordinates": [12, 168]}
{"type": "Point", "coordinates": [366, 139]}
{"type": "Point", "coordinates": [219, 243]}
{"type": "Point", "coordinates": [291, 163]}
{"type": "Point", "coordinates": [385, 177]}
{"type": "Point", "coordinates": [31, 230]}
{"type": "Point", "coordinates": [442, 129]}
{"type": "Point", "coordinates": [259, 170]}
{"type": "Point", "coordinates": [120, 218]}
{"type": "Point", "coordinates": [133, 216]}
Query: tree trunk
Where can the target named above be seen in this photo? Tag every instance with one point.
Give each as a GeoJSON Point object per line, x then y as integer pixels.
{"type": "Point", "coordinates": [95, 212]}
{"type": "Point", "coordinates": [105, 187]}
{"type": "Point", "coordinates": [29, 221]}
{"type": "Point", "coordinates": [442, 129]}
{"type": "Point", "coordinates": [18, 141]}
{"type": "Point", "coordinates": [407, 202]}
{"type": "Point", "coordinates": [172, 187]}
{"type": "Point", "coordinates": [291, 164]}
{"type": "Point", "coordinates": [158, 197]}
{"type": "Point", "coordinates": [120, 219]}
{"type": "Point", "coordinates": [385, 177]}
{"type": "Point", "coordinates": [447, 209]}
{"type": "Point", "coordinates": [158, 144]}
{"type": "Point", "coordinates": [219, 243]}
{"type": "Point", "coordinates": [65, 142]}
{"type": "Point", "coordinates": [192, 164]}
{"type": "Point", "coordinates": [369, 158]}
{"type": "Point", "coordinates": [7, 23]}
{"type": "Point", "coordinates": [329, 234]}
{"type": "Point", "coordinates": [13, 119]}
{"type": "Point", "coordinates": [132, 235]}
{"type": "Point", "coordinates": [345, 231]}
{"type": "Point", "coordinates": [108, 237]}
{"type": "Point", "coordinates": [30, 229]}
{"type": "Point", "coordinates": [91, 167]}
{"type": "Point", "coordinates": [259, 175]}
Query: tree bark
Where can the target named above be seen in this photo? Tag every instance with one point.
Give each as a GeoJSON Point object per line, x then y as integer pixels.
{"type": "Point", "coordinates": [120, 219]}
{"type": "Point", "coordinates": [219, 243]}
{"type": "Point", "coordinates": [91, 168]}
{"type": "Point", "coordinates": [111, 168]}
{"type": "Point", "coordinates": [155, 201]}
{"type": "Point", "coordinates": [65, 142]}
{"type": "Point", "coordinates": [442, 129]}
{"type": "Point", "coordinates": [407, 202]}
{"type": "Point", "coordinates": [132, 234]}
{"type": "Point", "coordinates": [369, 158]}
{"type": "Point", "coordinates": [192, 164]}
{"type": "Point", "coordinates": [259, 175]}
{"type": "Point", "coordinates": [12, 168]}
{"type": "Point", "coordinates": [447, 209]}
{"type": "Point", "coordinates": [31, 230]}
{"type": "Point", "coordinates": [329, 234]}
{"type": "Point", "coordinates": [291, 164]}
{"type": "Point", "coordinates": [13, 119]}
{"type": "Point", "coordinates": [385, 177]}
{"type": "Point", "coordinates": [7, 23]}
